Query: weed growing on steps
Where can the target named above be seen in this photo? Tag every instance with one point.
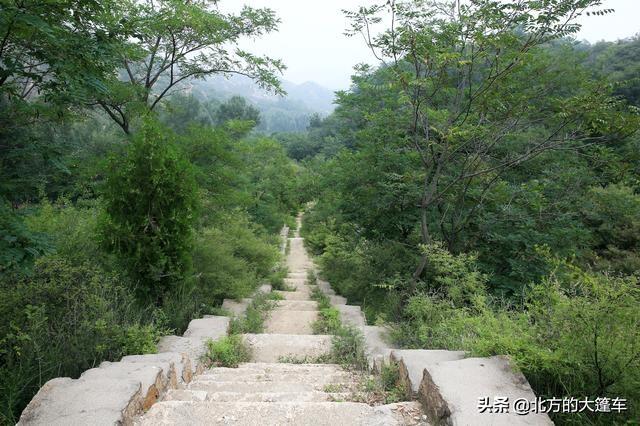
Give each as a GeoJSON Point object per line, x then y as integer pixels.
{"type": "Point", "coordinates": [374, 390]}
{"type": "Point", "coordinates": [228, 351]}
{"type": "Point", "coordinates": [312, 280]}
{"type": "Point", "coordinates": [277, 279]}
{"type": "Point", "coordinates": [348, 342]}
{"type": "Point", "coordinates": [348, 348]}
{"type": "Point", "coordinates": [321, 298]}
{"type": "Point", "coordinates": [321, 359]}
{"type": "Point", "coordinates": [328, 321]}
{"type": "Point", "coordinates": [256, 314]}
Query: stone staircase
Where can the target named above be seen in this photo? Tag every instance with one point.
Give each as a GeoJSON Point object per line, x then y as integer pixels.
{"type": "Point", "coordinates": [174, 388]}
{"type": "Point", "coordinates": [271, 391]}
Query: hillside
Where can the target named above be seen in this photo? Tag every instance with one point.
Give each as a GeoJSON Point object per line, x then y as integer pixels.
{"type": "Point", "coordinates": [288, 113]}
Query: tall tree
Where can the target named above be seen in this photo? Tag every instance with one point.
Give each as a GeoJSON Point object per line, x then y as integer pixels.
{"type": "Point", "coordinates": [176, 41]}
{"type": "Point", "coordinates": [471, 86]}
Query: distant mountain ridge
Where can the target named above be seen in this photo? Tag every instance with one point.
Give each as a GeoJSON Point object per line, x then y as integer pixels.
{"type": "Point", "coordinates": [288, 113]}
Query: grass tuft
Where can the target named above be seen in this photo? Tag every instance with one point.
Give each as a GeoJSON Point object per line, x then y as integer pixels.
{"type": "Point", "coordinates": [228, 351]}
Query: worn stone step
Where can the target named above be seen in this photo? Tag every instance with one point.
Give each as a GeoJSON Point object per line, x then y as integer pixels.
{"type": "Point", "coordinates": [275, 396]}
{"type": "Point", "coordinates": [211, 386]}
{"type": "Point", "coordinates": [277, 413]}
{"type": "Point", "coordinates": [295, 295]}
{"type": "Point", "coordinates": [352, 315]}
{"type": "Point", "coordinates": [277, 367]}
{"type": "Point", "coordinates": [315, 377]}
{"type": "Point", "coordinates": [274, 347]}
{"type": "Point", "coordinates": [325, 287]}
{"type": "Point", "coordinates": [237, 307]}
{"type": "Point", "coordinates": [450, 390]}
{"type": "Point", "coordinates": [185, 395]}
{"type": "Point", "coordinates": [377, 346]}
{"type": "Point", "coordinates": [297, 305]}
{"type": "Point", "coordinates": [337, 300]}
{"type": "Point", "coordinates": [412, 363]}
{"type": "Point", "coordinates": [177, 367]}
{"type": "Point", "coordinates": [111, 394]}
{"type": "Point", "coordinates": [290, 322]}
{"type": "Point", "coordinates": [212, 327]}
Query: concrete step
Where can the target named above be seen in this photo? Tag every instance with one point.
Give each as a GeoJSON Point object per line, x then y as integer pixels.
{"type": "Point", "coordinates": [278, 368]}
{"type": "Point", "coordinates": [290, 322]}
{"type": "Point", "coordinates": [213, 327]}
{"type": "Point", "coordinates": [297, 305]}
{"type": "Point", "coordinates": [276, 396]}
{"type": "Point", "coordinates": [295, 295]}
{"type": "Point", "coordinates": [314, 377]}
{"type": "Point", "coordinates": [273, 347]}
{"type": "Point", "coordinates": [377, 346]}
{"type": "Point", "coordinates": [337, 300]}
{"type": "Point", "coordinates": [176, 366]}
{"type": "Point", "coordinates": [245, 387]}
{"type": "Point", "coordinates": [325, 287]}
{"type": "Point", "coordinates": [185, 395]}
{"type": "Point", "coordinates": [277, 413]}
{"type": "Point", "coordinates": [450, 390]}
{"type": "Point", "coordinates": [296, 280]}
{"type": "Point", "coordinates": [237, 307]}
{"type": "Point", "coordinates": [412, 363]}
{"type": "Point", "coordinates": [352, 315]}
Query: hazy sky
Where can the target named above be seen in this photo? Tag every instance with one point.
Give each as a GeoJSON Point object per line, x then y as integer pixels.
{"type": "Point", "coordinates": [311, 41]}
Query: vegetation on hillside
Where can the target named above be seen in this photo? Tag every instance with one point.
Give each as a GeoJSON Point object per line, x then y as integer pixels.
{"type": "Point", "coordinates": [126, 210]}
{"type": "Point", "coordinates": [479, 189]}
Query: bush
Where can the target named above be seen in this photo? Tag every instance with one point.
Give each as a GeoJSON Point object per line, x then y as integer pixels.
{"type": "Point", "coordinates": [256, 314]}
{"type": "Point", "coordinates": [328, 321]}
{"type": "Point", "coordinates": [150, 198]}
{"type": "Point", "coordinates": [229, 351]}
{"type": "Point", "coordinates": [276, 279]}
{"type": "Point", "coordinates": [577, 336]}
{"type": "Point", "coordinates": [229, 261]}
{"type": "Point", "coordinates": [62, 320]}
{"type": "Point", "coordinates": [348, 348]}
{"type": "Point", "coordinates": [72, 230]}
{"type": "Point", "coordinates": [19, 246]}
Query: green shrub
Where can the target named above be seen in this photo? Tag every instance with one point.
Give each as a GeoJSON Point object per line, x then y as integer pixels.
{"type": "Point", "coordinates": [230, 259]}
{"type": "Point", "coordinates": [577, 336]}
{"type": "Point", "coordinates": [328, 321]}
{"type": "Point", "coordinates": [276, 279]}
{"type": "Point", "coordinates": [19, 246]}
{"type": "Point", "coordinates": [229, 351]}
{"type": "Point", "coordinates": [321, 298]}
{"type": "Point", "coordinates": [255, 315]}
{"type": "Point", "coordinates": [347, 348]}
{"type": "Point", "coordinates": [150, 199]}
{"type": "Point", "coordinates": [312, 279]}
{"type": "Point", "coordinates": [63, 319]}
{"type": "Point", "coordinates": [72, 230]}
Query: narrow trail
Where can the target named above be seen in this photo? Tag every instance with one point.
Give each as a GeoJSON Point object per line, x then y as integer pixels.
{"type": "Point", "coordinates": [271, 391]}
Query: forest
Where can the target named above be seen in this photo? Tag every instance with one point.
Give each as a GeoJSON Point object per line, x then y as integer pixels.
{"type": "Point", "coordinates": [478, 189]}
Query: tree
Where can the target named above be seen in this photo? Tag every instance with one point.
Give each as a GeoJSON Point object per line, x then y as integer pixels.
{"type": "Point", "coordinates": [474, 98]}
{"type": "Point", "coordinates": [176, 41]}
{"type": "Point", "coordinates": [150, 198]}
{"type": "Point", "coordinates": [237, 108]}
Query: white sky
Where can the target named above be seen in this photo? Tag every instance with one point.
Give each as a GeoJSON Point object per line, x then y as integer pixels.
{"type": "Point", "coordinates": [311, 43]}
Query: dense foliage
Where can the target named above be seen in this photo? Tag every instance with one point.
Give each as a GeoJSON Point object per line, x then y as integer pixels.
{"type": "Point", "coordinates": [479, 191]}
{"type": "Point", "coordinates": [126, 210]}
